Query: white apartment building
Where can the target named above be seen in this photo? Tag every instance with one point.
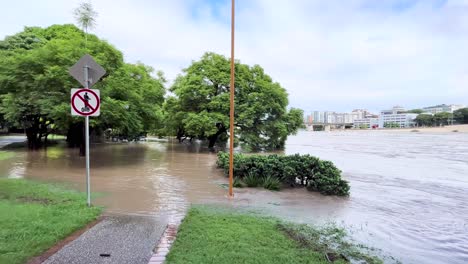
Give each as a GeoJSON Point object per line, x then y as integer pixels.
{"type": "Point", "coordinates": [330, 117]}
{"type": "Point", "coordinates": [397, 116]}
{"type": "Point", "coordinates": [442, 108]}
{"type": "Point", "coordinates": [372, 122]}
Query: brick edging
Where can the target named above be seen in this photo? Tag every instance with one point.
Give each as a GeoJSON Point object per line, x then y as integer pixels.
{"type": "Point", "coordinates": [164, 244]}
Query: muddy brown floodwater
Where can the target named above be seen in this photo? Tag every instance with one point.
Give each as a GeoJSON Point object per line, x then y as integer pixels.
{"type": "Point", "coordinates": [409, 191]}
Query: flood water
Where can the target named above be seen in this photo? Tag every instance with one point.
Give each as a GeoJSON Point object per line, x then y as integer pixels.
{"type": "Point", "coordinates": [409, 191]}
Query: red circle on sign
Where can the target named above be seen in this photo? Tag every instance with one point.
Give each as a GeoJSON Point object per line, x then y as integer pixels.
{"type": "Point", "coordinates": [89, 91]}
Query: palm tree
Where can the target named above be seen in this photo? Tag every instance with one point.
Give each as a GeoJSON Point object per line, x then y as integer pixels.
{"type": "Point", "coordinates": [85, 17]}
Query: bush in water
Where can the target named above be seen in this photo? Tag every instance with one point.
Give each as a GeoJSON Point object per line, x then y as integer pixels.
{"type": "Point", "coordinates": [271, 183]}
{"type": "Point", "coordinates": [294, 170]}
{"type": "Point", "coordinates": [252, 180]}
{"type": "Point", "coordinates": [237, 183]}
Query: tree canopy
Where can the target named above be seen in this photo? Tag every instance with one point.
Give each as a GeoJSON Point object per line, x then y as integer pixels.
{"type": "Point", "coordinates": [439, 119]}
{"type": "Point", "coordinates": [199, 106]}
{"type": "Point", "coordinates": [415, 111]}
{"type": "Point", "coordinates": [35, 84]}
{"type": "Point", "coordinates": [35, 94]}
{"type": "Point", "coordinates": [461, 115]}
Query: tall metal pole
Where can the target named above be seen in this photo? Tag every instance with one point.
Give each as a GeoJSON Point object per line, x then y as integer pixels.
{"type": "Point", "coordinates": [88, 189]}
{"type": "Point", "coordinates": [231, 119]}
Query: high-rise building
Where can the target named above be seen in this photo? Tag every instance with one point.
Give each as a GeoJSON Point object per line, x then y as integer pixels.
{"type": "Point", "coordinates": [442, 108]}
{"type": "Point", "coordinates": [329, 117]}
{"type": "Point", "coordinates": [319, 117]}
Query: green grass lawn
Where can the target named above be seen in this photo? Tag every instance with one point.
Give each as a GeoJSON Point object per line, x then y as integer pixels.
{"type": "Point", "coordinates": [6, 155]}
{"type": "Point", "coordinates": [215, 235]}
{"type": "Point", "coordinates": [34, 216]}
{"type": "Point", "coordinates": [210, 236]}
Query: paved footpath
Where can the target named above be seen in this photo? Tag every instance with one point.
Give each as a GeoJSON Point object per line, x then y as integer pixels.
{"type": "Point", "coordinates": [116, 239]}
{"type": "Point", "coordinates": [5, 140]}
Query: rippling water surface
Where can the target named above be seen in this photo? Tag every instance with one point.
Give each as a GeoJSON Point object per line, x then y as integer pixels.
{"type": "Point", "coordinates": [409, 191]}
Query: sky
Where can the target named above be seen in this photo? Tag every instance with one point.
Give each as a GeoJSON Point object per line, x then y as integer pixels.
{"type": "Point", "coordinates": [330, 55]}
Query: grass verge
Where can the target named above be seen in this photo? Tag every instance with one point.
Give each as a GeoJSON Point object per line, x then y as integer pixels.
{"type": "Point", "coordinates": [35, 216]}
{"type": "Point", "coordinates": [210, 235]}
{"type": "Point", "coordinates": [6, 155]}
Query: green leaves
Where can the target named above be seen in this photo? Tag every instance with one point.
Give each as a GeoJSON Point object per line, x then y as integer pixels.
{"type": "Point", "coordinates": [439, 119]}
{"type": "Point", "coordinates": [200, 106]}
{"type": "Point", "coordinates": [461, 115]}
{"type": "Point", "coordinates": [35, 83]}
{"type": "Point", "coordinates": [293, 170]}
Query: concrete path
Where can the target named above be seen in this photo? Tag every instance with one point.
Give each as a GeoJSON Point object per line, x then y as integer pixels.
{"type": "Point", "coordinates": [5, 140]}
{"type": "Point", "coordinates": [116, 239]}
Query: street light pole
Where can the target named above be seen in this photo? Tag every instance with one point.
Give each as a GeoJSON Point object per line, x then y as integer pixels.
{"type": "Point", "coordinates": [231, 117]}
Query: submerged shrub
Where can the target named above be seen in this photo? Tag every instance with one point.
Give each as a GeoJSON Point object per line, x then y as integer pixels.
{"type": "Point", "coordinates": [237, 183]}
{"type": "Point", "coordinates": [293, 170]}
{"type": "Point", "coordinates": [252, 180]}
{"type": "Point", "coordinates": [271, 183]}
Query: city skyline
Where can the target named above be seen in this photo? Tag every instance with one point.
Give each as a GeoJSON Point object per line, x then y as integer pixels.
{"type": "Point", "coordinates": [363, 117]}
{"type": "Point", "coordinates": [375, 111]}
{"type": "Point", "coordinates": [377, 52]}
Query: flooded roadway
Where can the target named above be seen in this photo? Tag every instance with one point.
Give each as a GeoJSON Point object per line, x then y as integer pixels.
{"type": "Point", "coordinates": [409, 191]}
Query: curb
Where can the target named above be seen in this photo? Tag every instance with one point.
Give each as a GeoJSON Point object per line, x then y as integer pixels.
{"type": "Point", "coordinates": [164, 244]}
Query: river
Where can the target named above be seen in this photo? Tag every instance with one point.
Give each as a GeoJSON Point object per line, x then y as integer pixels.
{"type": "Point", "coordinates": [409, 191]}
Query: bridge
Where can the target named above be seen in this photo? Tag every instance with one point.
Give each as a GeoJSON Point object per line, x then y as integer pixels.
{"type": "Point", "coordinates": [327, 126]}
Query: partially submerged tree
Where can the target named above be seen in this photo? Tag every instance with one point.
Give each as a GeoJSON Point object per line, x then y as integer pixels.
{"type": "Point", "coordinates": [35, 86]}
{"type": "Point", "coordinates": [200, 105]}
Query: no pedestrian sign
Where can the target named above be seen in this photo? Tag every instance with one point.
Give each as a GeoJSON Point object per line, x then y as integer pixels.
{"type": "Point", "coordinates": [85, 102]}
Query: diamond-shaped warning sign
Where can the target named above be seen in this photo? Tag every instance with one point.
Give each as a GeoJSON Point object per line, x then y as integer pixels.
{"type": "Point", "coordinates": [95, 71]}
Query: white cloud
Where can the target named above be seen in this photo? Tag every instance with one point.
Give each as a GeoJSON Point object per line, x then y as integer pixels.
{"type": "Point", "coordinates": [335, 55]}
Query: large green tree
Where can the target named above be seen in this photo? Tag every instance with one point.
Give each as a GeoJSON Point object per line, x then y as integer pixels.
{"type": "Point", "coordinates": [34, 76]}
{"type": "Point", "coordinates": [199, 107]}
{"type": "Point", "coordinates": [424, 120]}
{"type": "Point", "coordinates": [442, 119]}
{"type": "Point", "coordinates": [461, 115]}
{"type": "Point", "coordinates": [35, 85]}
{"type": "Point", "coordinates": [134, 99]}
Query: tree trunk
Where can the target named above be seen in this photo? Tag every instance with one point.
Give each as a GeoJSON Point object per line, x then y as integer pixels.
{"type": "Point", "coordinates": [34, 142]}
{"type": "Point", "coordinates": [212, 139]}
{"type": "Point", "coordinates": [180, 134]}
{"type": "Point", "coordinates": [75, 137]}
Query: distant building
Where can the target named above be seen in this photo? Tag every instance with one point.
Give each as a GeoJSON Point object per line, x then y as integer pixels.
{"type": "Point", "coordinates": [310, 119]}
{"type": "Point", "coordinates": [359, 113]}
{"type": "Point", "coordinates": [371, 122]}
{"type": "Point", "coordinates": [396, 116]}
{"type": "Point", "coordinates": [330, 117]}
{"type": "Point", "coordinates": [442, 108]}
{"type": "Point", "coordinates": [318, 117]}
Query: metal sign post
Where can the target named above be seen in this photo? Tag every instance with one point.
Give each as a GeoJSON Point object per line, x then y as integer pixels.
{"type": "Point", "coordinates": [88, 183]}
{"type": "Point", "coordinates": [231, 111]}
{"type": "Point", "coordinates": [87, 72]}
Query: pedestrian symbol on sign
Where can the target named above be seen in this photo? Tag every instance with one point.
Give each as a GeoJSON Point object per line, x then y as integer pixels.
{"type": "Point", "coordinates": [85, 102]}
